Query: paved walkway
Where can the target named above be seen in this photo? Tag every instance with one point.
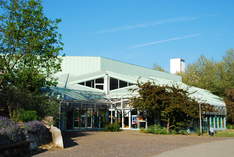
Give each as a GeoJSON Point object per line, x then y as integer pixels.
{"type": "Point", "coordinates": [223, 148]}
{"type": "Point", "coordinates": [125, 144]}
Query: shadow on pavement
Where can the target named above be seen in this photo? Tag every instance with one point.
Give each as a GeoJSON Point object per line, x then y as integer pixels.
{"type": "Point", "coordinates": [69, 138]}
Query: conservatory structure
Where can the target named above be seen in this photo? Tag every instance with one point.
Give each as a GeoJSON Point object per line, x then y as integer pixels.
{"type": "Point", "coordinates": [95, 91]}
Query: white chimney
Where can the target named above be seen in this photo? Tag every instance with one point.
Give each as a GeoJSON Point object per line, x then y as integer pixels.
{"type": "Point", "coordinates": [177, 65]}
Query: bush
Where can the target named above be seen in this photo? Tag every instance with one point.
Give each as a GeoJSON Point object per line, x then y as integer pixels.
{"type": "Point", "coordinates": [183, 132]}
{"type": "Point", "coordinates": [11, 131]}
{"type": "Point", "coordinates": [156, 129]}
{"type": "Point", "coordinates": [27, 116]}
{"type": "Point", "coordinates": [112, 127]}
{"type": "Point", "coordinates": [230, 126]}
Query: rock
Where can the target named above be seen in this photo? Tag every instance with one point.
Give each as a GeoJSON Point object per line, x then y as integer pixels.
{"type": "Point", "coordinates": [57, 138]}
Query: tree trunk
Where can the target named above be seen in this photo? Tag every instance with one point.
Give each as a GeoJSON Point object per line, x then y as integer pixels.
{"type": "Point", "coordinates": [168, 125]}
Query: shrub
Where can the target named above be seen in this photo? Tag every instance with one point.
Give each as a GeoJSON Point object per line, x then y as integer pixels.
{"type": "Point", "coordinates": [11, 131]}
{"type": "Point", "coordinates": [27, 116]}
{"type": "Point", "coordinates": [156, 129]}
{"type": "Point", "coordinates": [230, 126]}
{"type": "Point", "coordinates": [112, 127]}
{"type": "Point", "coordinates": [183, 132]}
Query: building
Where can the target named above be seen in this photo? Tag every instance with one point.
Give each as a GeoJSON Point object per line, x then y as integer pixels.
{"type": "Point", "coordinates": [177, 65]}
{"type": "Point", "coordinates": [95, 91]}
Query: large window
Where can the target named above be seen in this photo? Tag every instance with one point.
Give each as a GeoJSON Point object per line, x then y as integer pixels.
{"type": "Point", "coordinates": [113, 83]}
{"type": "Point", "coordinates": [96, 83]}
{"type": "Point", "coordinates": [116, 84]}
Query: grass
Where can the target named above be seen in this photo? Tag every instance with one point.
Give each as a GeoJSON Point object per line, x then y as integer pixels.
{"type": "Point", "coordinates": [225, 133]}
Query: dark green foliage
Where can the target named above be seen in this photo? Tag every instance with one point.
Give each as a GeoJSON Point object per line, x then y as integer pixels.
{"type": "Point", "coordinates": [112, 127]}
{"type": "Point", "coordinates": [170, 105]}
{"type": "Point", "coordinates": [26, 116]}
{"type": "Point", "coordinates": [29, 55]}
{"type": "Point", "coordinates": [229, 126]}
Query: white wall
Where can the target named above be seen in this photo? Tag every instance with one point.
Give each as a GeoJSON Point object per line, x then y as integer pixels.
{"type": "Point", "coordinates": [79, 65]}
{"type": "Point", "coordinates": [177, 65]}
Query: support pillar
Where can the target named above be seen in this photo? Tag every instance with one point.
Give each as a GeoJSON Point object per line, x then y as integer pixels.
{"type": "Point", "coordinates": [106, 83]}
{"type": "Point", "coordinates": [122, 111]}
{"type": "Point", "coordinates": [130, 120]}
{"type": "Point", "coordinates": [214, 121]}
{"type": "Point", "coordinates": [138, 123]}
{"type": "Point", "coordinates": [221, 122]}
{"type": "Point", "coordinates": [111, 114]}
{"type": "Point", "coordinates": [99, 120]}
{"type": "Point", "coordinates": [224, 122]}
{"type": "Point", "coordinates": [146, 123]}
{"type": "Point", "coordinates": [210, 120]}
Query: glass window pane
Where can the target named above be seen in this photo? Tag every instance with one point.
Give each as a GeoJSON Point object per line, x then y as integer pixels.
{"type": "Point", "coordinates": [90, 83]}
{"type": "Point", "coordinates": [122, 84]}
{"type": "Point", "coordinates": [113, 83]}
{"type": "Point", "coordinates": [82, 83]}
{"type": "Point", "coordinates": [99, 80]}
{"type": "Point", "coordinates": [99, 87]}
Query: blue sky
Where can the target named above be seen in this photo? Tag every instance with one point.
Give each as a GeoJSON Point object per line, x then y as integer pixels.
{"type": "Point", "coordinates": [145, 32]}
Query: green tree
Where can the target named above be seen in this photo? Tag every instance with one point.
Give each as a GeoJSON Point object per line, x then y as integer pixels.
{"type": "Point", "coordinates": [29, 51]}
{"type": "Point", "coordinates": [172, 106]}
{"type": "Point", "coordinates": [229, 99]}
{"type": "Point", "coordinates": [158, 68]}
{"type": "Point", "coordinates": [217, 77]}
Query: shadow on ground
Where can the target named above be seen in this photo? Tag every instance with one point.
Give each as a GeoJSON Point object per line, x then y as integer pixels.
{"type": "Point", "coordinates": [69, 138]}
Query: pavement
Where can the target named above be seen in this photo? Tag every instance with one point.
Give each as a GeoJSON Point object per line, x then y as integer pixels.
{"type": "Point", "coordinates": [223, 148]}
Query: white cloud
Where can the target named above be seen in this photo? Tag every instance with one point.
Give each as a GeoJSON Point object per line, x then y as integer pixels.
{"type": "Point", "coordinates": [145, 25]}
{"type": "Point", "coordinates": [165, 41]}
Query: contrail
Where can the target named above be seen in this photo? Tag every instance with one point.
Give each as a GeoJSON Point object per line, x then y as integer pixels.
{"type": "Point", "coordinates": [145, 25]}
{"type": "Point", "coordinates": [165, 41]}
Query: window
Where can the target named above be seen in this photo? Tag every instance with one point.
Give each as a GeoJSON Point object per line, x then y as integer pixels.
{"type": "Point", "coordinates": [116, 84]}
{"type": "Point", "coordinates": [90, 83]}
{"type": "Point", "coordinates": [82, 83]}
{"type": "Point", "coordinates": [131, 84]}
{"type": "Point", "coordinates": [99, 80]}
{"type": "Point", "coordinates": [99, 87]}
{"type": "Point", "coordinates": [96, 83]}
{"type": "Point", "coordinates": [113, 83]}
{"type": "Point", "coordinates": [122, 84]}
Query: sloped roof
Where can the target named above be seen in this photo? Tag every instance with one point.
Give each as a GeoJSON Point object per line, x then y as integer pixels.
{"type": "Point", "coordinates": [200, 95]}
{"type": "Point", "coordinates": [81, 95]}
{"type": "Point", "coordinates": [98, 67]}
{"type": "Point", "coordinates": [82, 65]}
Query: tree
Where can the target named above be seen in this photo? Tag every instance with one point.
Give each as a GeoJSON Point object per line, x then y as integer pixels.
{"type": "Point", "coordinates": [229, 99]}
{"type": "Point", "coordinates": [29, 51]}
{"type": "Point", "coordinates": [158, 68]}
{"type": "Point", "coordinates": [217, 77]}
{"type": "Point", "coordinates": [171, 105]}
